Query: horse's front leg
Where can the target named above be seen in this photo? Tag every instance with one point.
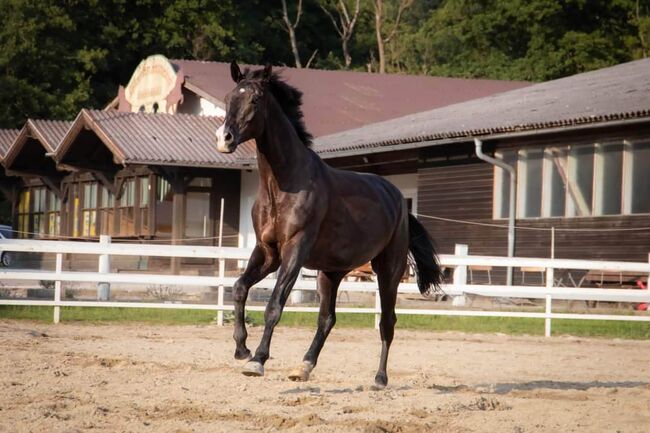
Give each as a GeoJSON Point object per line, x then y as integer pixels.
{"type": "Point", "coordinates": [262, 262]}
{"type": "Point", "coordinates": [293, 255]}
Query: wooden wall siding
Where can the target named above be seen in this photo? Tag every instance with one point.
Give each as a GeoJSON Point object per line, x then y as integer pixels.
{"type": "Point", "coordinates": [465, 192]}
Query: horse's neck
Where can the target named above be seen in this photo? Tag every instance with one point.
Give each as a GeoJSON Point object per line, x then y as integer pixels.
{"type": "Point", "coordinates": [282, 158]}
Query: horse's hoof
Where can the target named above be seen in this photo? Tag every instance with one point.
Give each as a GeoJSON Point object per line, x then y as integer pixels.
{"type": "Point", "coordinates": [301, 374]}
{"type": "Point", "coordinates": [380, 382]}
{"type": "Point", "coordinates": [243, 355]}
{"type": "Point", "coordinates": [253, 368]}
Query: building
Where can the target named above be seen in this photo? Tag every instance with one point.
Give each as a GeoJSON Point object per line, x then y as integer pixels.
{"type": "Point", "coordinates": [580, 146]}
{"type": "Point", "coordinates": [146, 167]}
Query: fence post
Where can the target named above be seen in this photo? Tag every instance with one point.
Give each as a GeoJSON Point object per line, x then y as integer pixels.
{"type": "Point", "coordinates": [547, 320]}
{"type": "Point", "coordinates": [297, 296]}
{"type": "Point", "coordinates": [460, 275]}
{"type": "Point", "coordinates": [222, 267]}
{"type": "Point", "coordinates": [104, 289]}
{"type": "Point", "coordinates": [377, 309]}
{"type": "Point", "coordinates": [57, 288]}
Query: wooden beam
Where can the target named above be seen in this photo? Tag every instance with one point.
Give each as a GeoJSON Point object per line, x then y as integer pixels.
{"type": "Point", "coordinates": [53, 184]}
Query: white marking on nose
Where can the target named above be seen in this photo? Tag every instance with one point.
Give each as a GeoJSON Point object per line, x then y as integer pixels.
{"type": "Point", "coordinates": [242, 90]}
{"type": "Point", "coordinates": [221, 141]}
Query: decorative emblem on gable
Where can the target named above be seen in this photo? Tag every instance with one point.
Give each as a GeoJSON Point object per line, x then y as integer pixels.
{"type": "Point", "coordinates": [155, 87]}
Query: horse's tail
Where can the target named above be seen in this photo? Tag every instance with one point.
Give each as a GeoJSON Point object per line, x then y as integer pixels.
{"type": "Point", "coordinates": [424, 258]}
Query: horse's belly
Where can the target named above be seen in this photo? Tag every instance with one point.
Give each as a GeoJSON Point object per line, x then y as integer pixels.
{"type": "Point", "coordinates": [344, 253]}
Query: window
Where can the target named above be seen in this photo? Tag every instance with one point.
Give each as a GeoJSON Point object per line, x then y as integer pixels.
{"type": "Point", "coordinates": [581, 180]}
{"type": "Point", "coordinates": [23, 214]}
{"type": "Point", "coordinates": [529, 183]}
{"type": "Point", "coordinates": [75, 209]}
{"type": "Point", "coordinates": [502, 184]}
{"type": "Point", "coordinates": [554, 176]}
{"type": "Point", "coordinates": [53, 214]}
{"type": "Point", "coordinates": [608, 169]}
{"type": "Point", "coordinates": [107, 212]}
{"type": "Point", "coordinates": [89, 210]}
{"type": "Point", "coordinates": [576, 181]}
{"type": "Point", "coordinates": [638, 177]}
{"type": "Point", "coordinates": [144, 205]}
{"type": "Point", "coordinates": [164, 208]}
{"type": "Point", "coordinates": [198, 221]}
{"type": "Point", "coordinates": [39, 206]}
{"type": "Point", "coordinates": [126, 209]}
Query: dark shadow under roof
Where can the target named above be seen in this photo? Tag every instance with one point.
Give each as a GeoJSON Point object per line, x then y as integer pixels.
{"type": "Point", "coordinates": [336, 101]}
{"type": "Point", "coordinates": [48, 134]}
{"type": "Point", "coordinates": [598, 97]}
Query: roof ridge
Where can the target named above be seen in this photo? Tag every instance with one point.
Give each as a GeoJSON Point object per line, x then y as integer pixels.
{"type": "Point", "coordinates": [346, 71]}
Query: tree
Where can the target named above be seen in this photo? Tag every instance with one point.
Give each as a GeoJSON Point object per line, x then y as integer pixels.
{"type": "Point", "coordinates": [379, 21]}
{"type": "Point", "coordinates": [291, 30]}
{"type": "Point", "coordinates": [344, 26]}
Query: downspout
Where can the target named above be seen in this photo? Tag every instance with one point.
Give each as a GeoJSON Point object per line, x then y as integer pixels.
{"type": "Point", "coordinates": [513, 193]}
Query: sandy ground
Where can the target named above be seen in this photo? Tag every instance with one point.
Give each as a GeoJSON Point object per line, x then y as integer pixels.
{"type": "Point", "coordinates": [144, 378]}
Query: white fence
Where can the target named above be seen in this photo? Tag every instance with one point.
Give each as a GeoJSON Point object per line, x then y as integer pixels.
{"type": "Point", "coordinates": [459, 288]}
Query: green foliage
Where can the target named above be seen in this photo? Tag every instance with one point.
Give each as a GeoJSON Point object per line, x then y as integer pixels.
{"type": "Point", "coordinates": [524, 39]}
{"type": "Point", "coordinates": [57, 56]}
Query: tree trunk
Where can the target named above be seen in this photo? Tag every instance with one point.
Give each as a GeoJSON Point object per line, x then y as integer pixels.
{"type": "Point", "coordinates": [294, 47]}
{"type": "Point", "coordinates": [380, 38]}
{"type": "Point", "coordinates": [291, 29]}
{"type": "Point", "coordinates": [346, 54]}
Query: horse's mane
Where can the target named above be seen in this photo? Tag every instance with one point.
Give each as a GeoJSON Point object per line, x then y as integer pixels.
{"type": "Point", "coordinates": [290, 100]}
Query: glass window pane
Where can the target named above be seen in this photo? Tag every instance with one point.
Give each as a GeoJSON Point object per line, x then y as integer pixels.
{"type": "Point", "coordinates": [503, 188]}
{"type": "Point", "coordinates": [144, 191]}
{"type": "Point", "coordinates": [640, 178]}
{"type": "Point", "coordinates": [612, 179]}
{"type": "Point", "coordinates": [556, 158]}
{"type": "Point", "coordinates": [128, 193]}
{"type": "Point", "coordinates": [581, 178]}
{"type": "Point", "coordinates": [90, 195]}
{"type": "Point", "coordinates": [530, 183]}
{"type": "Point", "coordinates": [201, 182]}
{"type": "Point", "coordinates": [163, 189]}
{"type": "Point", "coordinates": [108, 199]}
{"type": "Point", "coordinates": [197, 215]}
{"type": "Point", "coordinates": [164, 201]}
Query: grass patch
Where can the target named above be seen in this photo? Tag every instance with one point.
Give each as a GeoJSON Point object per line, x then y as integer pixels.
{"type": "Point", "coordinates": [506, 325]}
{"type": "Point", "coordinates": [100, 314]}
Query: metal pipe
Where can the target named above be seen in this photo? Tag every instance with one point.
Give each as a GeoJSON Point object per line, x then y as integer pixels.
{"type": "Point", "coordinates": [513, 193]}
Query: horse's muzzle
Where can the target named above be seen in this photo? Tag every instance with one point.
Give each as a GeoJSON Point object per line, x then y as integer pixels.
{"type": "Point", "coordinates": [226, 140]}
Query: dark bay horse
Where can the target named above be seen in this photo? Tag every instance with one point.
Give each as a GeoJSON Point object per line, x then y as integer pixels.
{"type": "Point", "coordinates": [308, 214]}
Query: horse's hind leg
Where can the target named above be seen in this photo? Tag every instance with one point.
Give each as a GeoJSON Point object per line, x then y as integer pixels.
{"type": "Point", "coordinates": [389, 267]}
{"type": "Point", "coordinates": [328, 284]}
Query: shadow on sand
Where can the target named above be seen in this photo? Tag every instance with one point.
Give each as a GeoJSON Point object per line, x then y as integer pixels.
{"type": "Point", "coordinates": [505, 388]}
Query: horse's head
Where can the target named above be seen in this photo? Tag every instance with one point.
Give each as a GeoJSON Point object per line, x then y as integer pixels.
{"type": "Point", "coordinates": [244, 108]}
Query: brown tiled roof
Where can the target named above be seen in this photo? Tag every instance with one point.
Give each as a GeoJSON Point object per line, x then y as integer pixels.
{"type": "Point", "coordinates": [7, 137]}
{"type": "Point", "coordinates": [48, 132]}
{"type": "Point", "coordinates": [157, 139]}
{"type": "Point", "coordinates": [336, 101]}
{"type": "Point", "coordinates": [615, 93]}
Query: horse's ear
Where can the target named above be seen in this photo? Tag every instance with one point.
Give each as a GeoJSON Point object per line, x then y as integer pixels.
{"type": "Point", "coordinates": [235, 72]}
{"type": "Point", "coordinates": [267, 71]}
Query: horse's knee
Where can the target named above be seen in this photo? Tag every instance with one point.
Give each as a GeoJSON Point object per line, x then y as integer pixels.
{"type": "Point", "coordinates": [272, 313]}
{"type": "Point", "coordinates": [239, 291]}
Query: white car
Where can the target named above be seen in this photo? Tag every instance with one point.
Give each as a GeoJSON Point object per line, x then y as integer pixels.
{"type": "Point", "coordinates": [5, 256]}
